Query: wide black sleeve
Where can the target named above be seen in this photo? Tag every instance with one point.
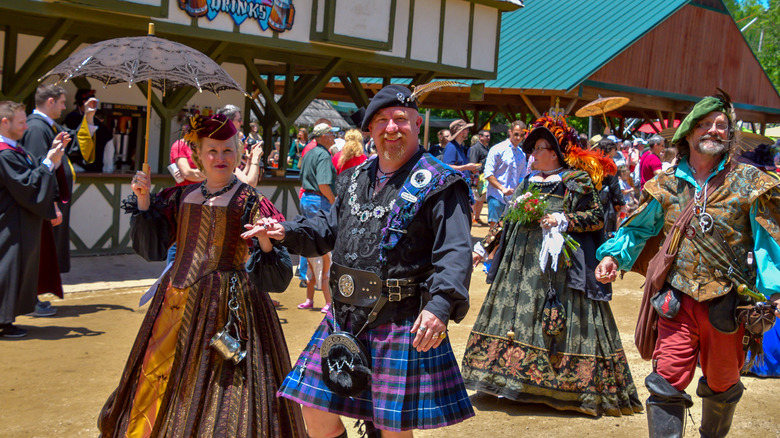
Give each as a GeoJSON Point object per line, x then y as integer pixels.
{"type": "Point", "coordinates": [312, 237]}
{"type": "Point", "coordinates": [270, 271]}
{"type": "Point", "coordinates": [32, 189]}
{"type": "Point", "coordinates": [154, 230]}
{"type": "Point", "coordinates": [451, 254]}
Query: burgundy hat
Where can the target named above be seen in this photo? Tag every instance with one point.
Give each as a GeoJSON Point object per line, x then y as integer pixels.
{"type": "Point", "coordinates": [217, 127]}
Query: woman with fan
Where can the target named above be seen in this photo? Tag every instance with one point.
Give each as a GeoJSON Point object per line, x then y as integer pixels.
{"type": "Point", "coordinates": [545, 333]}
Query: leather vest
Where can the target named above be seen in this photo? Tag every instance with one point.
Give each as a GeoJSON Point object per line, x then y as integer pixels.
{"type": "Point", "coordinates": [729, 205]}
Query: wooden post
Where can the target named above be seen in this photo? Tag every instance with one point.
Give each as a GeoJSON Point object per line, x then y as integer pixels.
{"type": "Point", "coordinates": [146, 169]}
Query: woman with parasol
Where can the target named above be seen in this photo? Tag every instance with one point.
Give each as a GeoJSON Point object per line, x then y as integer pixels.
{"type": "Point", "coordinates": [210, 353]}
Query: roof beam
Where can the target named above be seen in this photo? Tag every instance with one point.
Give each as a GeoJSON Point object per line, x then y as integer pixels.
{"type": "Point", "coordinates": [270, 104]}
{"type": "Point", "coordinates": [303, 98]}
{"type": "Point", "coordinates": [530, 105]}
{"type": "Point", "coordinates": [28, 86]}
{"type": "Point", "coordinates": [39, 55]}
{"type": "Point", "coordinates": [570, 106]}
{"type": "Point", "coordinates": [9, 57]}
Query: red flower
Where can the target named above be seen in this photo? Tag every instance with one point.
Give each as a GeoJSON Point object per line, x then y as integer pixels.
{"type": "Point", "coordinates": [535, 201]}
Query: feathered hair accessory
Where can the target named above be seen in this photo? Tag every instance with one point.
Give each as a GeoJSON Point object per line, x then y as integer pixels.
{"type": "Point", "coordinates": [217, 127]}
{"type": "Point", "coordinates": [594, 162]}
{"type": "Point", "coordinates": [420, 91]}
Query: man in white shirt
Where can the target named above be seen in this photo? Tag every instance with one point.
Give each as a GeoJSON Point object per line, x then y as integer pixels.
{"type": "Point", "coordinates": [505, 167]}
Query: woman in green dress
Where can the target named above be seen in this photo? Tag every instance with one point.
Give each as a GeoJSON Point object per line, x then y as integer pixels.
{"type": "Point", "coordinates": [548, 335]}
{"type": "Point", "coordinates": [296, 148]}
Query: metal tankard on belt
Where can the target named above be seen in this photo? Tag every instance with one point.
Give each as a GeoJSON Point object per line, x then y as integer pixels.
{"type": "Point", "coordinates": [230, 346]}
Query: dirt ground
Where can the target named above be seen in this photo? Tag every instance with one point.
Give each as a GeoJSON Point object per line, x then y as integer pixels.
{"type": "Point", "coordinates": [55, 380]}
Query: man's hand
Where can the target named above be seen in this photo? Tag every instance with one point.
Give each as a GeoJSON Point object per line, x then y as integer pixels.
{"type": "Point", "coordinates": [58, 220]}
{"type": "Point", "coordinates": [58, 148]}
{"type": "Point", "coordinates": [507, 191]}
{"type": "Point", "coordinates": [264, 228]}
{"type": "Point", "coordinates": [429, 329]}
{"type": "Point", "coordinates": [606, 271]}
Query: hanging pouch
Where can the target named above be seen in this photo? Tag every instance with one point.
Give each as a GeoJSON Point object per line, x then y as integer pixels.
{"type": "Point", "coordinates": [723, 313]}
{"type": "Point", "coordinates": [345, 366]}
{"type": "Point", "coordinates": [666, 302]}
{"type": "Point", "coordinates": [553, 318]}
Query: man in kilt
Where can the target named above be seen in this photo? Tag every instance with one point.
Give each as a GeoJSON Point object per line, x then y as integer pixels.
{"type": "Point", "coordinates": [729, 245]}
{"type": "Point", "coordinates": [399, 233]}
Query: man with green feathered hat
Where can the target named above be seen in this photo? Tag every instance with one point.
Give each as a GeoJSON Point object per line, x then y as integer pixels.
{"type": "Point", "coordinates": [727, 255]}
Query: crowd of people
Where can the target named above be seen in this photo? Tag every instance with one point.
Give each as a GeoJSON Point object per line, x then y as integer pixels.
{"type": "Point", "coordinates": [385, 233]}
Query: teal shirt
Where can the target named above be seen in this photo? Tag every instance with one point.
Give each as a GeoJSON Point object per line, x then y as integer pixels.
{"type": "Point", "coordinates": [630, 239]}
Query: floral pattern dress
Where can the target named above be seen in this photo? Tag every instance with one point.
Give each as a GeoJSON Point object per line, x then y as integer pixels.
{"type": "Point", "coordinates": [508, 354]}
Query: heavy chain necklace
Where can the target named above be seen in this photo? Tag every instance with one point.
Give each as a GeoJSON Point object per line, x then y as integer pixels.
{"type": "Point", "coordinates": [366, 211]}
{"type": "Point", "coordinates": [208, 195]}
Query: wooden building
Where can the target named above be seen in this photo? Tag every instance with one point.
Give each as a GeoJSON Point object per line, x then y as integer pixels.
{"type": "Point", "coordinates": [300, 44]}
{"type": "Point", "coordinates": [664, 55]}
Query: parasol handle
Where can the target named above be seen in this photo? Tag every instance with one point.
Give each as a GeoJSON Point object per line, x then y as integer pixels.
{"type": "Point", "coordinates": [146, 169]}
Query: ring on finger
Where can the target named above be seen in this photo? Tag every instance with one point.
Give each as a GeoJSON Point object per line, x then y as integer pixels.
{"type": "Point", "coordinates": [422, 330]}
{"type": "Point", "coordinates": [442, 335]}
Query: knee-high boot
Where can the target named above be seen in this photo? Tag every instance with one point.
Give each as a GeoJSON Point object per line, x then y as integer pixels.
{"type": "Point", "coordinates": [665, 408]}
{"type": "Point", "coordinates": [717, 409]}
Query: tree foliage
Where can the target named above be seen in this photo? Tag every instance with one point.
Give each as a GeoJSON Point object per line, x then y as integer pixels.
{"type": "Point", "coordinates": [763, 35]}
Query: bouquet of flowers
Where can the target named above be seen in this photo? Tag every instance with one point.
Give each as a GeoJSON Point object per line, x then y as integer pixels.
{"type": "Point", "coordinates": [527, 208]}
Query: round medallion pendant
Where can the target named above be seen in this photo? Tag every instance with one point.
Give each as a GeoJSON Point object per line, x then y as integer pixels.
{"type": "Point", "coordinates": [706, 222]}
{"type": "Point", "coordinates": [346, 285]}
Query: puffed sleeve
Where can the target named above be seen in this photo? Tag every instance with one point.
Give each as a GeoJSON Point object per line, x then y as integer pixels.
{"type": "Point", "coordinates": [269, 271]}
{"type": "Point", "coordinates": [582, 206]}
{"type": "Point", "coordinates": [153, 231]}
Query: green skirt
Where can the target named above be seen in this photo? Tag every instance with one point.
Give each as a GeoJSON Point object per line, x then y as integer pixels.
{"type": "Point", "coordinates": [509, 355]}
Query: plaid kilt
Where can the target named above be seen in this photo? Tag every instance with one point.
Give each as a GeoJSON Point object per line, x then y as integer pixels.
{"type": "Point", "coordinates": [409, 390]}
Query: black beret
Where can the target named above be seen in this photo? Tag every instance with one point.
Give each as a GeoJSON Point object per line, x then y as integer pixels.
{"type": "Point", "coordinates": [390, 96]}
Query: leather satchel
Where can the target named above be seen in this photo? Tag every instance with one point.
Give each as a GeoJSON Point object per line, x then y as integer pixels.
{"type": "Point", "coordinates": [657, 268]}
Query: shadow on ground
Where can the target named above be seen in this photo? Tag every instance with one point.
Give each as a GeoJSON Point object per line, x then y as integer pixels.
{"type": "Point", "coordinates": [55, 333]}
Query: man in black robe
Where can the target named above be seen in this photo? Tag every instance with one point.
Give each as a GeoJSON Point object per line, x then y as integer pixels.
{"type": "Point", "coordinates": [27, 192]}
{"type": "Point", "coordinates": [399, 232]}
{"type": "Point", "coordinates": [41, 130]}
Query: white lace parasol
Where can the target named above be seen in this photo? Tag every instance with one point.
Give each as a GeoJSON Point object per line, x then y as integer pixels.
{"type": "Point", "coordinates": [130, 60]}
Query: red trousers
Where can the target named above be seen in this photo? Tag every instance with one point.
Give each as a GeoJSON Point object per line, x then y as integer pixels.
{"type": "Point", "coordinates": [689, 338]}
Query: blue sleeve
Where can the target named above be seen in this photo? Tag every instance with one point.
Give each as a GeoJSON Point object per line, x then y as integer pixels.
{"type": "Point", "coordinates": [490, 162]}
{"type": "Point", "coordinates": [767, 257]}
{"type": "Point", "coordinates": [450, 155]}
{"type": "Point", "coordinates": [630, 238]}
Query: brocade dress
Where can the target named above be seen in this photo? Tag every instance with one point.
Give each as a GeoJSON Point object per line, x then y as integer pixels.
{"type": "Point", "coordinates": [174, 384]}
{"type": "Point", "coordinates": [590, 371]}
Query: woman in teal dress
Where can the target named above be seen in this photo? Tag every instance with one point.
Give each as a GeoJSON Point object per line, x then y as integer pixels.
{"type": "Point", "coordinates": [512, 351]}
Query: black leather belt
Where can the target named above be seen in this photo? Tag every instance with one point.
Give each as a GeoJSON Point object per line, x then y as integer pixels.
{"type": "Point", "coordinates": [364, 288]}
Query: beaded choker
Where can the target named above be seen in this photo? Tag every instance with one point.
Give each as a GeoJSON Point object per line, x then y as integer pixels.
{"type": "Point", "coordinates": [208, 195]}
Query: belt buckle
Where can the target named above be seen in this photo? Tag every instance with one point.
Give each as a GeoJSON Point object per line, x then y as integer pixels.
{"type": "Point", "coordinates": [394, 285]}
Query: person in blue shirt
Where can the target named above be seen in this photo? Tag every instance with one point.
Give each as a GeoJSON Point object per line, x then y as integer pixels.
{"type": "Point", "coordinates": [736, 221]}
{"type": "Point", "coordinates": [455, 153]}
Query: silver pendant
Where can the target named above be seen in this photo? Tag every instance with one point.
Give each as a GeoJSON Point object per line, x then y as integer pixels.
{"type": "Point", "coordinates": [706, 222]}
